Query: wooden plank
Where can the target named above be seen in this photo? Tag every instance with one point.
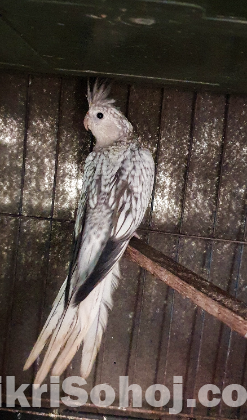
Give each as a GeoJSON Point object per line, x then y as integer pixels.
{"type": "Point", "coordinates": [74, 145]}
{"type": "Point", "coordinates": [150, 341]}
{"type": "Point", "coordinates": [59, 258]}
{"type": "Point", "coordinates": [224, 272]}
{"type": "Point", "coordinates": [144, 113]}
{"type": "Point", "coordinates": [235, 361]}
{"type": "Point", "coordinates": [41, 146]}
{"type": "Point", "coordinates": [209, 297]}
{"type": "Point", "coordinates": [234, 370]}
{"type": "Point", "coordinates": [144, 110]}
{"type": "Point", "coordinates": [242, 294]}
{"type": "Point", "coordinates": [13, 93]}
{"type": "Point", "coordinates": [185, 328]}
{"type": "Point", "coordinates": [31, 274]}
{"type": "Point", "coordinates": [201, 200]}
{"type": "Point", "coordinates": [114, 354]}
{"type": "Point", "coordinates": [8, 244]}
{"type": "Point", "coordinates": [172, 160]}
{"type": "Point", "coordinates": [120, 92]}
{"type": "Point", "coordinates": [232, 205]}
{"type": "Point", "coordinates": [215, 335]}
{"type": "Point", "coordinates": [168, 245]}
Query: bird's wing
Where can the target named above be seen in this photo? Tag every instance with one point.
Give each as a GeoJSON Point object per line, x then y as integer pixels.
{"type": "Point", "coordinates": [131, 196]}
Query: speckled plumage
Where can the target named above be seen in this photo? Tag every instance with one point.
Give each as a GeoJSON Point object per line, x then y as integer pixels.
{"type": "Point", "coordinates": [117, 184]}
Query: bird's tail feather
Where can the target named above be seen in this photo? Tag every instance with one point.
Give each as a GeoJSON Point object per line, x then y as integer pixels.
{"type": "Point", "coordinates": [94, 335]}
{"type": "Point", "coordinates": [84, 322]}
{"type": "Point", "coordinates": [49, 327]}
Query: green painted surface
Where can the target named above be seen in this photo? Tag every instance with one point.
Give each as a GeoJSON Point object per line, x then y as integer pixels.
{"type": "Point", "coordinates": [183, 43]}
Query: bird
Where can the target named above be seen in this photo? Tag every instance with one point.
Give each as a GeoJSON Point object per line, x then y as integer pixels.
{"type": "Point", "coordinates": [116, 189]}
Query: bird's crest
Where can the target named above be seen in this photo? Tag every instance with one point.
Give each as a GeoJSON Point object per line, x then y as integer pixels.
{"type": "Point", "coordinates": [99, 94]}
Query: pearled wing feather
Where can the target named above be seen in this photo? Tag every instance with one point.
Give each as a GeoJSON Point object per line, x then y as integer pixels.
{"type": "Point", "coordinates": [123, 194]}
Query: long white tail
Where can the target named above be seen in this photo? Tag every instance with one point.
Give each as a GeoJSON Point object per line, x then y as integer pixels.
{"type": "Point", "coordinates": [67, 329]}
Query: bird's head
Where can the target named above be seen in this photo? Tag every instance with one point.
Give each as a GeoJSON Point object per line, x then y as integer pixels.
{"type": "Point", "coordinates": [103, 119]}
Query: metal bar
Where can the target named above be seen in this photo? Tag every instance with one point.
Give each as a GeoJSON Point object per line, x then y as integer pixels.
{"type": "Point", "coordinates": [135, 330]}
{"type": "Point", "coordinates": [23, 216]}
{"type": "Point", "coordinates": [57, 148]}
{"type": "Point", "coordinates": [89, 411]}
{"type": "Point", "coordinates": [156, 159]}
{"type": "Point", "coordinates": [191, 137]}
{"type": "Point", "coordinates": [149, 230]}
{"type": "Point", "coordinates": [24, 145]}
{"type": "Point", "coordinates": [185, 235]}
{"type": "Point", "coordinates": [93, 413]}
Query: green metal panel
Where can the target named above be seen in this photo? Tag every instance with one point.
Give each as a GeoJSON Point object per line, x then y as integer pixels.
{"type": "Point", "coordinates": [15, 52]}
{"type": "Point", "coordinates": [203, 43]}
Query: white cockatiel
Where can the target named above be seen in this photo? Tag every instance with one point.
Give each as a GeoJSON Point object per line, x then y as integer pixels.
{"type": "Point", "coordinates": [117, 185]}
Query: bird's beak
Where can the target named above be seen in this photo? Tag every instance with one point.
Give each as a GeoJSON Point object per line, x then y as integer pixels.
{"type": "Point", "coordinates": [86, 122]}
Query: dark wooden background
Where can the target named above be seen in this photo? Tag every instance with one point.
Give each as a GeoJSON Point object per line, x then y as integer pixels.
{"type": "Point", "coordinates": [197, 216]}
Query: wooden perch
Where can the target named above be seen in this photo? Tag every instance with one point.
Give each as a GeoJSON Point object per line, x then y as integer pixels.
{"type": "Point", "coordinates": [209, 297]}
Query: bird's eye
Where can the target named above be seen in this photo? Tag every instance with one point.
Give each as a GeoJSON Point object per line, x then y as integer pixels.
{"type": "Point", "coordinates": [100, 115]}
